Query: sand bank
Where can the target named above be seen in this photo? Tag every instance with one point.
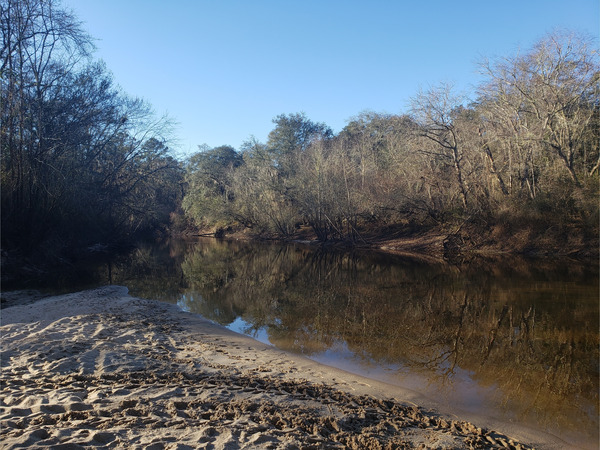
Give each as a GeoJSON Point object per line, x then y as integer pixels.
{"type": "Point", "coordinates": [102, 369]}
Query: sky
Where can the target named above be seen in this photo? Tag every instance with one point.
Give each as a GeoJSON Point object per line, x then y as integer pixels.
{"type": "Point", "coordinates": [224, 69]}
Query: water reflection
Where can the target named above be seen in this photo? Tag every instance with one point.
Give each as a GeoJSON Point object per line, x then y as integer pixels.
{"type": "Point", "coordinates": [512, 338]}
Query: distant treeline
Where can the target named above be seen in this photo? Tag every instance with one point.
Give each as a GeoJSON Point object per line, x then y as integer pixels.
{"type": "Point", "coordinates": [82, 163]}
{"type": "Point", "coordinates": [521, 158]}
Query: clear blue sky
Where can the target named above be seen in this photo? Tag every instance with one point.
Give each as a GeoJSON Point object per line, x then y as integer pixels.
{"type": "Point", "coordinates": [224, 69]}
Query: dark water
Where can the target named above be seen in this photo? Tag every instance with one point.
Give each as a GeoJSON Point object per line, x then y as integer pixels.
{"type": "Point", "coordinates": [513, 339]}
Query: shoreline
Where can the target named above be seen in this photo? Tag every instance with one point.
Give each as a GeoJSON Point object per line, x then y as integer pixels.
{"type": "Point", "coordinates": [103, 369]}
{"type": "Point", "coordinates": [430, 244]}
{"type": "Point", "coordinates": [426, 246]}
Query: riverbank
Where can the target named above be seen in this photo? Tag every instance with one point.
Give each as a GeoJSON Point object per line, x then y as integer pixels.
{"type": "Point", "coordinates": [458, 243]}
{"type": "Point", "coordinates": [100, 368]}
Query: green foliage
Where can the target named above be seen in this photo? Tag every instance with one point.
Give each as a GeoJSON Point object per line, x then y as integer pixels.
{"type": "Point", "coordinates": [208, 177]}
{"type": "Point", "coordinates": [263, 197]}
{"type": "Point", "coordinates": [295, 132]}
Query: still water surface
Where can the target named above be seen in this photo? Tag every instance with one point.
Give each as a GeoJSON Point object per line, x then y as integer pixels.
{"type": "Point", "coordinates": [514, 339]}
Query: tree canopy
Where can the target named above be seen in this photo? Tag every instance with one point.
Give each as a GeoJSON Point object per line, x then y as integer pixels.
{"type": "Point", "coordinates": [81, 162]}
{"type": "Point", "coordinates": [521, 153]}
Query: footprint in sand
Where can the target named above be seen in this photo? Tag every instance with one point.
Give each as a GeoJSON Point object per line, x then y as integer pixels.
{"type": "Point", "coordinates": [103, 438]}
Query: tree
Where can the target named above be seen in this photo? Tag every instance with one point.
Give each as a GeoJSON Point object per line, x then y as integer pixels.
{"type": "Point", "coordinates": [74, 150]}
{"type": "Point", "coordinates": [264, 186]}
{"type": "Point", "coordinates": [209, 177]}
{"type": "Point", "coordinates": [293, 133]}
{"type": "Point", "coordinates": [546, 98]}
{"type": "Point", "coordinates": [263, 197]}
{"type": "Point", "coordinates": [315, 189]}
{"type": "Point", "coordinates": [391, 172]}
{"type": "Point", "coordinates": [434, 113]}
{"type": "Point", "coordinates": [528, 142]}
{"type": "Point", "coordinates": [148, 189]}
{"type": "Point", "coordinates": [41, 46]}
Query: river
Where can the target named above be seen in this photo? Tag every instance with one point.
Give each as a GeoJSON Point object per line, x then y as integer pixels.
{"type": "Point", "coordinates": [512, 339]}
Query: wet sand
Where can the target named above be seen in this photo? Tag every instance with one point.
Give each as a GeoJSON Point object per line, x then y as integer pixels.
{"type": "Point", "coordinates": [102, 369]}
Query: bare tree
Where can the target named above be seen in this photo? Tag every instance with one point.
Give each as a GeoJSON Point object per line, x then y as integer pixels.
{"type": "Point", "coordinates": [434, 113]}
{"type": "Point", "coordinates": [546, 99]}
{"type": "Point", "coordinates": [73, 148]}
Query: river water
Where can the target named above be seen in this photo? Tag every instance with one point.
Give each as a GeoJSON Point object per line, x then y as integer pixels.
{"type": "Point", "coordinates": [512, 339]}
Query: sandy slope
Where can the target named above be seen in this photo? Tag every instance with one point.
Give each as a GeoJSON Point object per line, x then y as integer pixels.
{"type": "Point", "coordinates": [102, 369]}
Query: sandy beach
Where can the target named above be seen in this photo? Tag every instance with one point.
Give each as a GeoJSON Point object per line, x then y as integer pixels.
{"type": "Point", "coordinates": [102, 369]}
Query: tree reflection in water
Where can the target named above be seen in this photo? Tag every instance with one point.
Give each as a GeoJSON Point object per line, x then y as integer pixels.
{"type": "Point", "coordinates": [526, 330]}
